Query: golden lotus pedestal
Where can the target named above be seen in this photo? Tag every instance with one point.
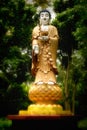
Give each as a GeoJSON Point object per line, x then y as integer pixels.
{"type": "Point", "coordinates": [44, 98]}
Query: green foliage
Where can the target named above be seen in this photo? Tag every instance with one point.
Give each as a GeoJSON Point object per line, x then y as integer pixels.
{"type": "Point", "coordinates": [82, 124]}
{"type": "Point", "coordinates": [5, 124]}
{"type": "Point", "coordinates": [64, 21]}
{"type": "Point", "coordinates": [15, 38]}
{"type": "Point", "coordinates": [62, 5]}
{"type": "Point", "coordinates": [17, 94]}
{"type": "Point", "coordinates": [16, 25]}
{"type": "Point", "coordinates": [15, 65]}
{"type": "Point", "coordinates": [71, 21]}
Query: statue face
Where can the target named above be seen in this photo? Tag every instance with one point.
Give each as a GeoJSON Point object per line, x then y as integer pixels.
{"type": "Point", "coordinates": [44, 18]}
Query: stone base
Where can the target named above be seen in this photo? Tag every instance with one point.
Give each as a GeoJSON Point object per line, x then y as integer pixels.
{"type": "Point", "coordinates": [59, 122]}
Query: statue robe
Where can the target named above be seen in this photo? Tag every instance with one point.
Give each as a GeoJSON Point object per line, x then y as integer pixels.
{"type": "Point", "coordinates": [44, 66]}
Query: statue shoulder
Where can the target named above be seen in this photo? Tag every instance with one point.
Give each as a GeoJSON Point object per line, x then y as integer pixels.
{"type": "Point", "coordinates": [52, 26]}
{"type": "Point", "coordinates": [36, 28]}
{"type": "Point", "coordinates": [35, 31]}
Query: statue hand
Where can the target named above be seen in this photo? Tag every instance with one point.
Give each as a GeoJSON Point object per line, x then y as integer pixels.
{"type": "Point", "coordinates": [36, 49]}
{"type": "Point", "coordinates": [43, 38]}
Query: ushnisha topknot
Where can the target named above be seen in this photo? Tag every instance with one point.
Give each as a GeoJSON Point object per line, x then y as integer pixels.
{"type": "Point", "coordinates": [45, 10]}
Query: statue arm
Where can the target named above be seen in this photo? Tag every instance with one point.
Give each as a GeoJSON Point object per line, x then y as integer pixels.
{"type": "Point", "coordinates": [53, 35]}
{"type": "Point", "coordinates": [34, 50]}
{"type": "Point", "coordinates": [35, 36]}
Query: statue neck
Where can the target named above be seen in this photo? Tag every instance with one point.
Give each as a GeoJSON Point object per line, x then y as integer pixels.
{"type": "Point", "coordinates": [44, 27]}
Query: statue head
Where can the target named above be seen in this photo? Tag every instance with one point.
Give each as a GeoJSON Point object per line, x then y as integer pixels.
{"type": "Point", "coordinates": [45, 17]}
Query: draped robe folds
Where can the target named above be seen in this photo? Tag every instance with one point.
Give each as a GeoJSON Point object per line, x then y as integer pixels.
{"type": "Point", "coordinates": [44, 66]}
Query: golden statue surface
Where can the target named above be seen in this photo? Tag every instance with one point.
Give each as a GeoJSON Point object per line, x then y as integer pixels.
{"type": "Point", "coordinates": [44, 92]}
